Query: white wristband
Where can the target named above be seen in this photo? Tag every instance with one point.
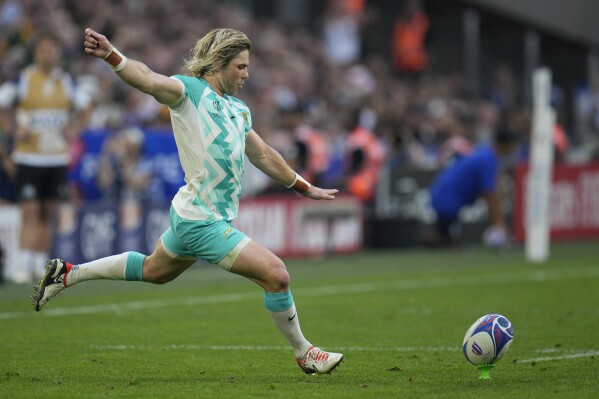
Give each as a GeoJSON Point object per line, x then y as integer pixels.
{"type": "Point", "coordinates": [293, 182]}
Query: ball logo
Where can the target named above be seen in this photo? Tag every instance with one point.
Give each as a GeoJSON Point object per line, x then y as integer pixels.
{"type": "Point", "coordinates": [476, 349]}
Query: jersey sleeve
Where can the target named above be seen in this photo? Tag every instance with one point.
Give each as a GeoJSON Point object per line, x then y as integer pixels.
{"type": "Point", "coordinates": [192, 89]}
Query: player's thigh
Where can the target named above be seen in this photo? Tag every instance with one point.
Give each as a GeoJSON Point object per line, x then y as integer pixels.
{"type": "Point", "coordinates": [261, 265]}
{"type": "Point", "coordinates": [30, 210]}
{"type": "Point", "coordinates": [161, 266]}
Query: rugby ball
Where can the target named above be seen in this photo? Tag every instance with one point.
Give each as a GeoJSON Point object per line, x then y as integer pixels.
{"type": "Point", "coordinates": [488, 339]}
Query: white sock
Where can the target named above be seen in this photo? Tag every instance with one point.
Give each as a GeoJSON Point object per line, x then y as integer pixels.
{"type": "Point", "coordinates": [288, 324]}
{"type": "Point", "coordinates": [109, 268]}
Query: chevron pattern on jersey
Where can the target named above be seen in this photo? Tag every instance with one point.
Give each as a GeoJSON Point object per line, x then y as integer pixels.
{"type": "Point", "coordinates": [218, 127]}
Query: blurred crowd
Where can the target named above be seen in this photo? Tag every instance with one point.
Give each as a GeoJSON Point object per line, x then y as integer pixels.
{"type": "Point", "coordinates": [336, 111]}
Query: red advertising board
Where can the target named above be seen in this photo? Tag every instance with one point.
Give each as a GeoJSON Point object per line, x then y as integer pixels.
{"type": "Point", "coordinates": [574, 202]}
{"type": "Point", "coordinates": [293, 226]}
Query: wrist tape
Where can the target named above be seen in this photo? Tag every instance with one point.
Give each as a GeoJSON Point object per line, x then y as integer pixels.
{"type": "Point", "coordinates": [116, 60]}
{"type": "Point", "coordinates": [299, 184]}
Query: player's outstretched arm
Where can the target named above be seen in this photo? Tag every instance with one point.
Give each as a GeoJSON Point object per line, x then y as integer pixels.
{"type": "Point", "coordinates": [269, 161]}
{"type": "Point", "coordinates": [136, 74]}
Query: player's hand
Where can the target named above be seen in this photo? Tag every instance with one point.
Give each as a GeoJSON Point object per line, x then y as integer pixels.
{"type": "Point", "coordinates": [318, 193]}
{"type": "Point", "coordinates": [95, 44]}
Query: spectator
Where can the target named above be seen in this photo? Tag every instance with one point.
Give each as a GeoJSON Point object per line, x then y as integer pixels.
{"type": "Point", "coordinates": [408, 52]}
{"type": "Point", "coordinates": [122, 174]}
{"type": "Point", "coordinates": [7, 170]}
{"type": "Point", "coordinates": [365, 156]}
{"type": "Point", "coordinates": [313, 152]}
{"type": "Point", "coordinates": [460, 125]}
{"type": "Point", "coordinates": [503, 89]}
{"type": "Point", "coordinates": [586, 112]}
{"type": "Point", "coordinates": [341, 33]}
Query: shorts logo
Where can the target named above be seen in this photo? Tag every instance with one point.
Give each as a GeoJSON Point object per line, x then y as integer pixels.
{"type": "Point", "coordinates": [227, 233]}
{"type": "Point", "coordinates": [28, 191]}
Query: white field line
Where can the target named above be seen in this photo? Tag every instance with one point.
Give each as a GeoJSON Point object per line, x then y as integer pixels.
{"type": "Point", "coordinates": [275, 348]}
{"type": "Point", "coordinates": [575, 355]}
{"type": "Point", "coordinates": [347, 349]}
{"type": "Point", "coordinates": [401, 285]}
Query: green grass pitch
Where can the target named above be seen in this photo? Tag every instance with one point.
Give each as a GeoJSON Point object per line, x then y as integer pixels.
{"type": "Point", "coordinates": [398, 316]}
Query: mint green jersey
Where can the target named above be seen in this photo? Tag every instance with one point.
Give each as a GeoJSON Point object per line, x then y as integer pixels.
{"type": "Point", "coordinates": [210, 132]}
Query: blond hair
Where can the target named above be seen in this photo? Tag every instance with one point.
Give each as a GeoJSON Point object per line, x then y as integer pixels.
{"type": "Point", "coordinates": [215, 50]}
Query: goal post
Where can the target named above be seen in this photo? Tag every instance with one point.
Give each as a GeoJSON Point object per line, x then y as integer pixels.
{"type": "Point", "coordinates": [538, 181]}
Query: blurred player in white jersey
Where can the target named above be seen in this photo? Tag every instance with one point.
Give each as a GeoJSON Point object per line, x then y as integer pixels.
{"type": "Point", "coordinates": [213, 131]}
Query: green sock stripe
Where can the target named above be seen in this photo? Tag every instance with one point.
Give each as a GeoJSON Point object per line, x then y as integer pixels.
{"type": "Point", "coordinates": [278, 301]}
{"type": "Point", "coordinates": [134, 266]}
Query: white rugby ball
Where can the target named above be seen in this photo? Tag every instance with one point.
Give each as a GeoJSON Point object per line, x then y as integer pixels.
{"type": "Point", "coordinates": [488, 339]}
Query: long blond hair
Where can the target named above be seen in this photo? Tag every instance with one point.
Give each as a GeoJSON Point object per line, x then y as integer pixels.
{"type": "Point", "coordinates": [215, 50]}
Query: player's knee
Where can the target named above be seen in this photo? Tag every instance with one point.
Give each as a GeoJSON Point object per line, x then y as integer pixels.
{"type": "Point", "coordinates": [278, 279]}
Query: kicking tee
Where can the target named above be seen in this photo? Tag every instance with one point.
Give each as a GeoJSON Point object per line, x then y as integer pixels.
{"type": "Point", "coordinates": [210, 131]}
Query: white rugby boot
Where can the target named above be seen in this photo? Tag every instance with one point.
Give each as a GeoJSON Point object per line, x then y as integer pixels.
{"type": "Point", "coordinates": [317, 361]}
{"type": "Point", "coordinates": [52, 284]}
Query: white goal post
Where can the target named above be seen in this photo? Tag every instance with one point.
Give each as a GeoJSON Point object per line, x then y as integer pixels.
{"type": "Point", "coordinates": [538, 181]}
